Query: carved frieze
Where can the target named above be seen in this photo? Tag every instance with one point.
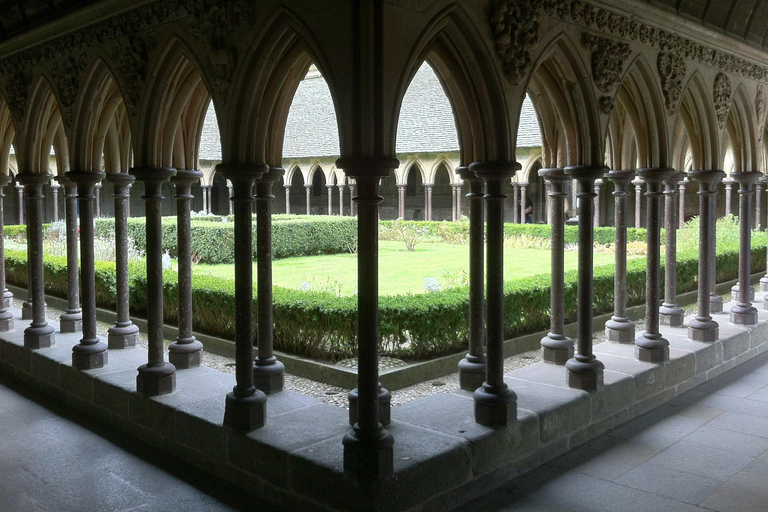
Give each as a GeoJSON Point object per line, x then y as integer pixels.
{"type": "Point", "coordinates": [672, 71]}
{"type": "Point", "coordinates": [515, 26]}
{"type": "Point", "coordinates": [760, 110]}
{"type": "Point", "coordinates": [16, 94]}
{"type": "Point", "coordinates": [67, 81]}
{"type": "Point", "coordinates": [606, 104]}
{"type": "Point", "coordinates": [721, 94]}
{"type": "Point", "coordinates": [608, 59]}
{"type": "Point", "coordinates": [131, 57]}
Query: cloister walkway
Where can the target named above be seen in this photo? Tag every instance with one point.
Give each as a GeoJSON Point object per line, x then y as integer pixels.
{"type": "Point", "coordinates": [705, 450]}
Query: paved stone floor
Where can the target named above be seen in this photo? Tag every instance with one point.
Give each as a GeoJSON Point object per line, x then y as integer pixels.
{"type": "Point", "coordinates": [705, 450]}
{"type": "Point", "coordinates": [54, 460]}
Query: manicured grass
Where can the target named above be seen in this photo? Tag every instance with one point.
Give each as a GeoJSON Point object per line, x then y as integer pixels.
{"type": "Point", "coordinates": [400, 271]}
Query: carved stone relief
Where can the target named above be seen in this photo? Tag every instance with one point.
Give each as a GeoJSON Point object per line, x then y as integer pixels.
{"type": "Point", "coordinates": [608, 59]}
{"type": "Point", "coordinates": [68, 81]}
{"type": "Point", "coordinates": [721, 93]}
{"type": "Point", "coordinates": [761, 112]}
{"type": "Point", "coordinates": [515, 26]}
{"type": "Point", "coordinates": [16, 91]}
{"type": "Point", "coordinates": [671, 68]}
{"type": "Point", "coordinates": [131, 57]}
{"type": "Point", "coordinates": [606, 104]}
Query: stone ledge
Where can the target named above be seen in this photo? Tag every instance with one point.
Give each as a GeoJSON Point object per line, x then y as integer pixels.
{"type": "Point", "coordinates": [442, 457]}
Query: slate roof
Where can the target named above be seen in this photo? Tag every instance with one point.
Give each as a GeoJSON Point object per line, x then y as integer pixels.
{"type": "Point", "coordinates": [426, 122]}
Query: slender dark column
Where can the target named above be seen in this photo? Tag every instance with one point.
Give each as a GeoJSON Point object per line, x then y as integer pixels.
{"type": "Point", "coordinates": [523, 200]}
{"type": "Point", "coordinates": [743, 313]}
{"type": "Point", "coordinates": [715, 301]}
{"type": "Point", "coordinates": [246, 406]}
{"type": "Point", "coordinates": [401, 201]}
{"type": "Point", "coordinates": [703, 327]}
{"type": "Point", "coordinates": [669, 312]}
{"type": "Point", "coordinates": [341, 199]}
{"type": "Point", "coordinates": [758, 205]}
{"type": "Point", "coordinates": [728, 182]}
{"type": "Point", "coordinates": [368, 447]}
{"type": "Point", "coordinates": [638, 183]}
{"type": "Point", "coordinates": [124, 334]}
{"type": "Point", "coordinates": [308, 188]}
{"type": "Point", "coordinates": [97, 192]}
{"type": "Point", "coordinates": [598, 184]}
{"type": "Point", "coordinates": [352, 204]}
{"type": "Point", "coordinates": [620, 328]}
{"type": "Point", "coordinates": [556, 347]}
{"type": "Point", "coordinates": [453, 202]}
{"type": "Point", "coordinates": [55, 190]}
{"type": "Point", "coordinates": [157, 377]}
{"type": "Point", "coordinates": [72, 319]}
{"type": "Point", "coordinates": [681, 202]}
{"type": "Point", "coordinates": [515, 202]}
{"type": "Point", "coordinates": [287, 199]}
{"type": "Point", "coordinates": [472, 367]}
{"type": "Point", "coordinates": [39, 334]}
{"type": "Point", "coordinates": [651, 346]}
{"type": "Point", "coordinates": [495, 403]}
{"type": "Point", "coordinates": [428, 193]}
{"type": "Point", "coordinates": [330, 199]}
{"type": "Point", "coordinates": [186, 351]}
{"type": "Point", "coordinates": [26, 307]}
{"type": "Point", "coordinates": [268, 372]}
{"type": "Point", "coordinates": [458, 202]}
{"type": "Point", "coordinates": [6, 317]}
{"type": "Point", "coordinates": [91, 352]}
{"type": "Point", "coordinates": [204, 188]}
{"type": "Point", "coordinates": [20, 193]}
{"type": "Point", "coordinates": [764, 279]}
{"type": "Point", "coordinates": [584, 370]}
{"type": "Point", "coordinates": [231, 193]}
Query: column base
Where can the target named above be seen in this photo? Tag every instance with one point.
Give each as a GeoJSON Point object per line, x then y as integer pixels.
{"type": "Point", "coordinates": [71, 321]}
{"type": "Point", "coordinates": [26, 310]}
{"type": "Point", "coordinates": [91, 356]}
{"type": "Point", "coordinates": [671, 315]}
{"type": "Point", "coordinates": [495, 407]}
{"type": "Point", "coordinates": [369, 454]}
{"type": "Point", "coordinates": [703, 330]}
{"type": "Point", "coordinates": [735, 293]}
{"type": "Point", "coordinates": [653, 349]}
{"type": "Point", "coordinates": [744, 315]}
{"type": "Point", "coordinates": [764, 283]}
{"type": "Point", "coordinates": [6, 321]}
{"type": "Point", "coordinates": [156, 380]}
{"type": "Point", "coordinates": [715, 304]}
{"type": "Point", "coordinates": [585, 375]}
{"type": "Point", "coordinates": [38, 336]}
{"type": "Point", "coordinates": [620, 330]}
{"type": "Point", "coordinates": [186, 354]}
{"type": "Point", "coordinates": [268, 375]}
{"type": "Point", "coordinates": [246, 413]}
{"type": "Point", "coordinates": [8, 298]}
{"type": "Point", "coordinates": [471, 372]}
{"type": "Point", "coordinates": [556, 349]}
{"type": "Point", "coordinates": [385, 411]}
{"type": "Point", "coordinates": [126, 336]}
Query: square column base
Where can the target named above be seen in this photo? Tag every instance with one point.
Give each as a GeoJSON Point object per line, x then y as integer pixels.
{"type": "Point", "coordinates": [471, 374]}
{"type": "Point", "coordinates": [247, 413]}
{"type": "Point", "coordinates": [706, 333]}
{"type": "Point", "coordinates": [156, 380]}
{"type": "Point", "coordinates": [715, 304]}
{"type": "Point", "coordinates": [588, 381]}
{"type": "Point", "coordinates": [26, 311]}
{"type": "Point", "coordinates": [495, 409]}
{"type": "Point", "coordinates": [620, 331]}
{"type": "Point", "coordinates": [745, 316]}
{"type": "Point", "coordinates": [122, 337]}
{"type": "Point", "coordinates": [39, 337]}
{"type": "Point", "coordinates": [185, 355]}
{"type": "Point", "coordinates": [384, 412]}
{"type": "Point", "coordinates": [70, 323]}
{"type": "Point", "coordinates": [6, 322]}
{"type": "Point", "coordinates": [90, 357]}
{"type": "Point", "coordinates": [735, 293]}
{"type": "Point", "coordinates": [657, 354]}
{"type": "Point", "coordinates": [269, 378]}
{"type": "Point", "coordinates": [556, 349]}
{"type": "Point", "coordinates": [369, 455]}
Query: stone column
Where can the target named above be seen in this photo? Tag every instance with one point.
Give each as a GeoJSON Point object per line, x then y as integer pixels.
{"type": "Point", "coordinates": [157, 377]}
{"type": "Point", "coordinates": [728, 182]}
{"type": "Point", "coordinates": [548, 187]}
{"type": "Point", "coordinates": [186, 351]}
{"type": "Point", "coordinates": [341, 199]}
{"type": "Point", "coordinates": [743, 313]}
{"type": "Point", "coordinates": [368, 447]}
{"type": "Point", "coordinates": [400, 201]}
{"type": "Point", "coordinates": [72, 319]}
{"type": "Point", "coordinates": [309, 198]}
{"type": "Point", "coordinates": [287, 199]}
{"type": "Point", "coordinates": [268, 372]}
{"type": "Point", "coordinates": [453, 203]}
{"type": "Point", "coordinates": [584, 370]}
{"type": "Point", "coordinates": [124, 334]}
{"type": "Point", "coordinates": [703, 327]}
{"type": "Point", "coordinates": [669, 312]}
{"type": "Point", "coordinates": [556, 347]}
{"type": "Point", "coordinates": [55, 190]}
{"type": "Point", "coordinates": [246, 406]}
{"type": "Point", "coordinates": [495, 403]}
{"type": "Point", "coordinates": [715, 301]}
{"type": "Point", "coordinates": [20, 192]}
{"type": "Point", "coordinates": [428, 201]}
{"type": "Point", "coordinates": [352, 203]}
{"type": "Point", "coordinates": [39, 334]}
{"type": "Point", "coordinates": [6, 317]}
{"type": "Point", "coordinates": [330, 199]}
{"type": "Point", "coordinates": [651, 346]}
{"type": "Point", "coordinates": [472, 367]}
{"type": "Point", "coordinates": [764, 279]}
{"type": "Point", "coordinates": [515, 202]}
{"type": "Point", "coordinates": [758, 206]}
{"type": "Point", "coordinates": [231, 192]}
{"type": "Point", "coordinates": [91, 352]}
{"type": "Point", "coordinates": [458, 202]}
{"type": "Point", "coordinates": [523, 200]}
{"type": "Point", "coordinates": [681, 202]}
{"type": "Point", "coordinates": [97, 190]}
{"type": "Point", "coordinates": [638, 183]}
{"type": "Point", "coordinates": [204, 188]}
{"type": "Point", "coordinates": [620, 328]}
{"type": "Point", "coordinates": [598, 184]}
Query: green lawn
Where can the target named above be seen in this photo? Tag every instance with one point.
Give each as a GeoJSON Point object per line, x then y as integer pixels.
{"type": "Point", "coordinates": [400, 271]}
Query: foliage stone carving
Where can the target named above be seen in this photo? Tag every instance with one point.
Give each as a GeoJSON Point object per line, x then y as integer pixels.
{"type": "Point", "coordinates": [131, 59]}
{"type": "Point", "coordinates": [721, 94]}
{"type": "Point", "coordinates": [761, 112]}
{"type": "Point", "coordinates": [608, 59]}
{"type": "Point", "coordinates": [515, 26]}
{"type": "Point", "coordinates": [672, 70]}
{"type": "Point", "coordinates": [16, 90]}
{"type": "Point", "coordinates": [68, 81]}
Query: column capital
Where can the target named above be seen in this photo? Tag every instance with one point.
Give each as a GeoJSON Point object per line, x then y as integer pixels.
{"type": "Point", "coordinates": [708, 180]}
{"type": "Point", "coordinates": [654, 178]}
{"type": "Point", "coordinates": [764, 178]}
{"type": "Point", "coordinates": [308, 186]}
{"type": "Point", "coordinates": [746, 180]}
{"type": "Point", "coordinates": [121, 181]}
{"type": "Point", "coordinates": [4, 180]}
{"type": "Point", "coordinates": [355, 166]}
{"type": "Point", "coordinates": [728, 181]}
{"type": "Point", "coordinates": [673, 181]}
{"type": "Point", "coordinates": [638, 181]}
{"type": "Point", "coordinates": [186, 176]}
{"type": "Point", "coordinates": [240, 171]}
{"type": "Point", "coordinates": [487, 170]}
{"type": "Point", "coordinates": [588, 173]}
{"type": "Point", "coordinates": [621, 179]}
{"type": "Point", "coordinates": [273, 175]}
{"type": "Point", "coordinates": [33, 180]}
{"type": "Point", "coordinates": [85, 179]}
{"type": "Point", "coordinates": [152, 174]}
{"type": "Point", "coordinates": [556, 178]}
{"type": "Point", "coordinates": [465, 173]}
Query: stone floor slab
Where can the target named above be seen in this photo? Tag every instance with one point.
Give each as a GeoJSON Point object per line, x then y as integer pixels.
{"type": "Point", "coordinates": [745, 492]}
{"type": "Point", "coordinates": [735, 442]}
{"type": "Point", "coordinates": [701, 460]}
{"type": "Point", "coordinates": [743, 423]}
{"type": "Point", "coordinates": [670, 483]}
{"type": "Point", "coordinates": [659, 429]}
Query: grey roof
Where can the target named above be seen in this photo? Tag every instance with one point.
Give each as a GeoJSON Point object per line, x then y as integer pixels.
{"type": "Point", "coordinates": [426, 124]}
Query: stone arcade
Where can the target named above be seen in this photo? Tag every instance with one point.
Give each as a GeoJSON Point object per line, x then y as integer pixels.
{"type": "Point", "coordinates": [622, 90]}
